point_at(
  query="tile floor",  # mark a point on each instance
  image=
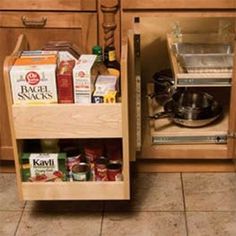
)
(163, 204)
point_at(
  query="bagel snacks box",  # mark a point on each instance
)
(33, 79)
(43, 167)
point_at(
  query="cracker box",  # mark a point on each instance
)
(84, 78)
(65, 82)
(43, 167)
(105, 89)
(33, 80)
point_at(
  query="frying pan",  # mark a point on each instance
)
(191, 109)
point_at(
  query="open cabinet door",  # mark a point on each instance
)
(232, 117)
(134, 83)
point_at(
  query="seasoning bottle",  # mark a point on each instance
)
(99, 65)
(113, 66)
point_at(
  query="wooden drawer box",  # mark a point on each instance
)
(74, 120)
(65, 5)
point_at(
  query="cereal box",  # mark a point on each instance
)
(84, 78)
(33, 80)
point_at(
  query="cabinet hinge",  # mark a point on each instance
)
(231, 135)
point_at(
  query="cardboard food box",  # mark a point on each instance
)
(105, 89)
(65, 82)
(43, 167)
(84, 78)
(33, 80)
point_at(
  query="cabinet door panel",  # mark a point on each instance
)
(77, 28)
(232, 117)
(179, 4)
(65, 5)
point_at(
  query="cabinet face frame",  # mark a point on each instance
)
(178, 4)
(128, 18)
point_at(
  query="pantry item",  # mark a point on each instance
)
(43, 167)
(101, 169)
(65, 81)
(81, 172)
(105, 89)
(33, 80)
(114, 171)
(84, 77)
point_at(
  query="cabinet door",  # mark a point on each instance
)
(40, 27)
(232, 119)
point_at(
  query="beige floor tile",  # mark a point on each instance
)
(210, 191)
(8, 222)
(8, 193)
(211, 223)
(63, 224)
(152, 192)
(144, 224)
(65, 206)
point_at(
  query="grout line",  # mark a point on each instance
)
(102, 218)
(20, 218)
(184, 203)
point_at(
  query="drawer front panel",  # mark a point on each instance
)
(65, 5)
(79, 28)
(179, 4)
(68, 121)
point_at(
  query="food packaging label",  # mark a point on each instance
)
(33, 80)
(84, 79)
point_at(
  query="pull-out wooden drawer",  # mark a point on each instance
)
(69, 121)
(65, 5)
(178, 4)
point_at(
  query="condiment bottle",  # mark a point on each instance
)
(113, 66)
(99, 65)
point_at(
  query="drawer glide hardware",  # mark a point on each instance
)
(216, 139)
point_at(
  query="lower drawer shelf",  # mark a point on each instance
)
(76, 191)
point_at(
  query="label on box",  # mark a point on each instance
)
(84, 78)
(43, 167)
(43, 164)
(33, 80)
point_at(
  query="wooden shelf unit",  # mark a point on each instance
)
(69, 121)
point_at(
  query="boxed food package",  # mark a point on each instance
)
(65, 82)
(33, 80)
(84, 78)
(66, 50)
(38, 53)
(105, 89)
(43, 167)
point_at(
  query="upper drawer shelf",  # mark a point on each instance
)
(179, 4)
(65, 5)
(67, 121)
